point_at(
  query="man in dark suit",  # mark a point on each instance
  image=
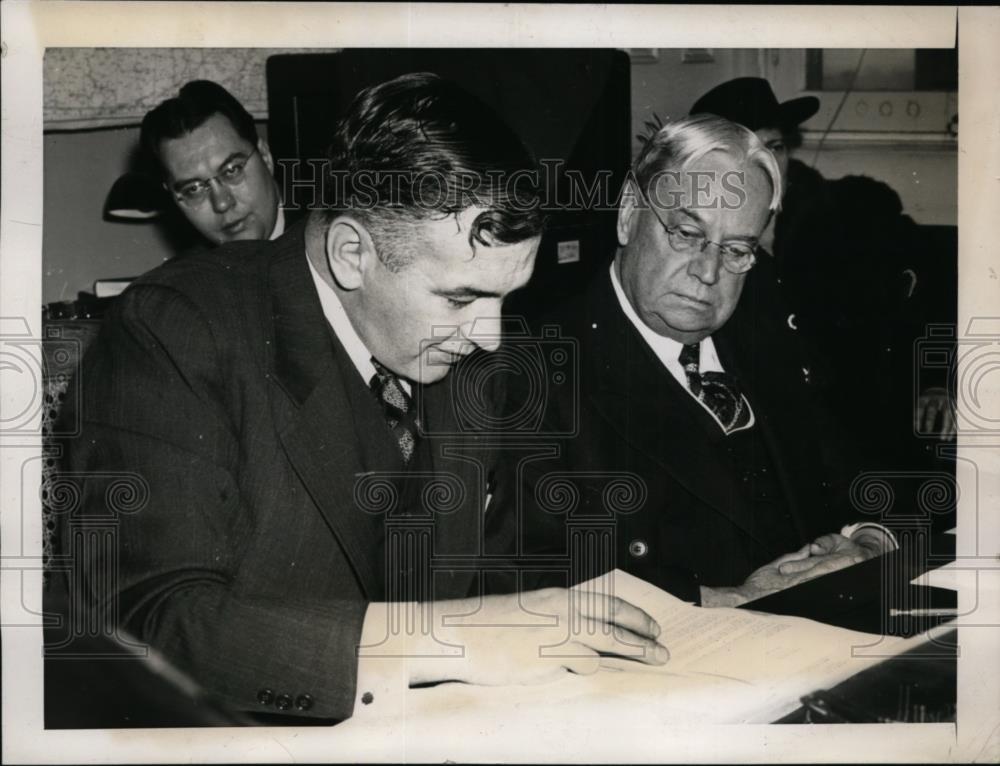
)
(285, 413)
(692, 455)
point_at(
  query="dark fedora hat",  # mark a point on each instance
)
(750, 102)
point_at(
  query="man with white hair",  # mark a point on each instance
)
(714, 439)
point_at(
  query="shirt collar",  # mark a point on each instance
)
(667, 350)
(279, 224)
(337, 317)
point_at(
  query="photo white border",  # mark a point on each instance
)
(29, 27)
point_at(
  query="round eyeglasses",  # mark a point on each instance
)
(737, 257)
(194, 193)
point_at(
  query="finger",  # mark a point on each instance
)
(585, 662)
(828, 543)
(801, 553)
(618, 611)
(602, 637)
(948, 424)
(930, 417)
(797, 567)
(827, 565)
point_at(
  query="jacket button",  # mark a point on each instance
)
(638, 548)
(283, 702)
(303, 702)
(265, 696)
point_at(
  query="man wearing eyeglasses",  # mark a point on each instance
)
(214, 165)
(696, 458)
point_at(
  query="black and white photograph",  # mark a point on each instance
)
(375, 392)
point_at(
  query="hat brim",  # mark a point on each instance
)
(798, 110)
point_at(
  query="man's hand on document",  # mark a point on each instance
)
(824, 555)
(530, 637)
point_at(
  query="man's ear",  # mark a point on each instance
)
(265, 154)
(350, 251)
(628, 209)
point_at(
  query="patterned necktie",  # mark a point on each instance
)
(397, 406)
(716, 390)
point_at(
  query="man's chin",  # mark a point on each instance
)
(684, 329)
(432, 373)
(246, 236)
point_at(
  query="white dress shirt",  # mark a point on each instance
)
(279, 224)
(337, 317)
(668, 351)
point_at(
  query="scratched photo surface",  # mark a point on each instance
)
(555, 401)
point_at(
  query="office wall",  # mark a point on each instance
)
(668, 86)
(924, 176)
(78, 246)
(923, 173)
(80, 167)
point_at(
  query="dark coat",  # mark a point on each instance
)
(257, 545)
(644, 459)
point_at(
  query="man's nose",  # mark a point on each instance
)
(221, 196)
(485, 331)
(705, 265)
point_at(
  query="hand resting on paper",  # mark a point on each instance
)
(528, 638)
(824, 555)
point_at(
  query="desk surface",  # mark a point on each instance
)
(88, 693)
(918, 686)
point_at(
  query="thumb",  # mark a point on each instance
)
(583, 664)
(797, 567)
(801, 553)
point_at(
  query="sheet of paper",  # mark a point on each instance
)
(953, 575)
(726, 666)
(738, 666)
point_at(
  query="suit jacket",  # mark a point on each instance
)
(642, 473)
(254, 537)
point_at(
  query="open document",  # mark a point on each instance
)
(726, 666)
(739, 666)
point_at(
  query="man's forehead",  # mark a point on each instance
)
(211, 143)
(459, 261)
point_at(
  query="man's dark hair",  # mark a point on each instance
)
(194, 104)
(420, 147)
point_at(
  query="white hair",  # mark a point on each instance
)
(680, 143)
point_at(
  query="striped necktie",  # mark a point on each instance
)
(397, 407)
(716, 390)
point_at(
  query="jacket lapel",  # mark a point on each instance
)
(651, 411)
(312, 411)
(764, 390)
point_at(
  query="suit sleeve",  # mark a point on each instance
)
(156, 412)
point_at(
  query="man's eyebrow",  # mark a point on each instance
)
(234, 156)
(693, 215)
(467, 292)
